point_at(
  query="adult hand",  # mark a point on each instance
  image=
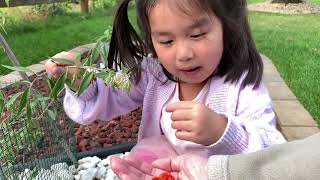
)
(138, 162)
(55, 69)
(184, 167)
(127, 169)
(130, 168)
(197, 123)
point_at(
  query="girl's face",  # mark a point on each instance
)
(188, 46)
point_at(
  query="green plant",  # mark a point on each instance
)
(106, 4)
(51, 9)
(21, 131)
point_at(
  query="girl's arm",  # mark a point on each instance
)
(253, 127)
(104, 103)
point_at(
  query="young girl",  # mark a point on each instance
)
(196, 73)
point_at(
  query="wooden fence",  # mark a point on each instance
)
(13, 3)
(84, 4)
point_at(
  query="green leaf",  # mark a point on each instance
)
(1, 96)
(24, 82)
(102, 75)
(29, 112)
(64, 61)
(94, 54)
(85, 83)
(78, 59)
(43, 98)
(1, 102)
(23, 69)
(13, 99)
(50, 83)
(86, 61)
(2, 27)
(71, 85)
(58, 86)
(105, 50)
(7, 2)
(51, 115)
(24, 99)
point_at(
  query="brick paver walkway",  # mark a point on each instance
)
(295, 122)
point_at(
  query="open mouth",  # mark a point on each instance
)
(192, 70)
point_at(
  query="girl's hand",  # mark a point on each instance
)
(55, 69)
(197, 123)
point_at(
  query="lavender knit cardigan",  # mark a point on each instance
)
(251, 120)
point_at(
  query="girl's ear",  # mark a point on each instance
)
(126, 47)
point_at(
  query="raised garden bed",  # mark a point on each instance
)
(97, 139)
(99, 134)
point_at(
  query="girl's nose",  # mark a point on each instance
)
(184, 52)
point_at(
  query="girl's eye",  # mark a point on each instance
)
(197, 35)
(166, 42)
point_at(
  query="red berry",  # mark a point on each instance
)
(166, 176)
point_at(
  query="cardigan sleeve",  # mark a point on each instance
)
(253, 125)
(103, 102)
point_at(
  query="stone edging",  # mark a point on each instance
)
(294, 121)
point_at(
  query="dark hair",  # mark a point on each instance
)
(239, 55)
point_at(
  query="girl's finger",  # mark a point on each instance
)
(179, 105)
(64, 55)
(181, 115)
(57, 71)
(186, 136)
(182, 125)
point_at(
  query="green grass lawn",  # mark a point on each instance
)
(35, 42)
(261, 1)
(292, 42)
(314, 1)
(255, 1)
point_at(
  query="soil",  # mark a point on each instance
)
(99, 134)
(295, 8)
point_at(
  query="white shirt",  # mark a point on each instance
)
(181, 146)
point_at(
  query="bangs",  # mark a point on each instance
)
(187, 7)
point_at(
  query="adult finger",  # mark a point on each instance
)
(172, 164)
(121, 167)
(140, 165)
(123, 176)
